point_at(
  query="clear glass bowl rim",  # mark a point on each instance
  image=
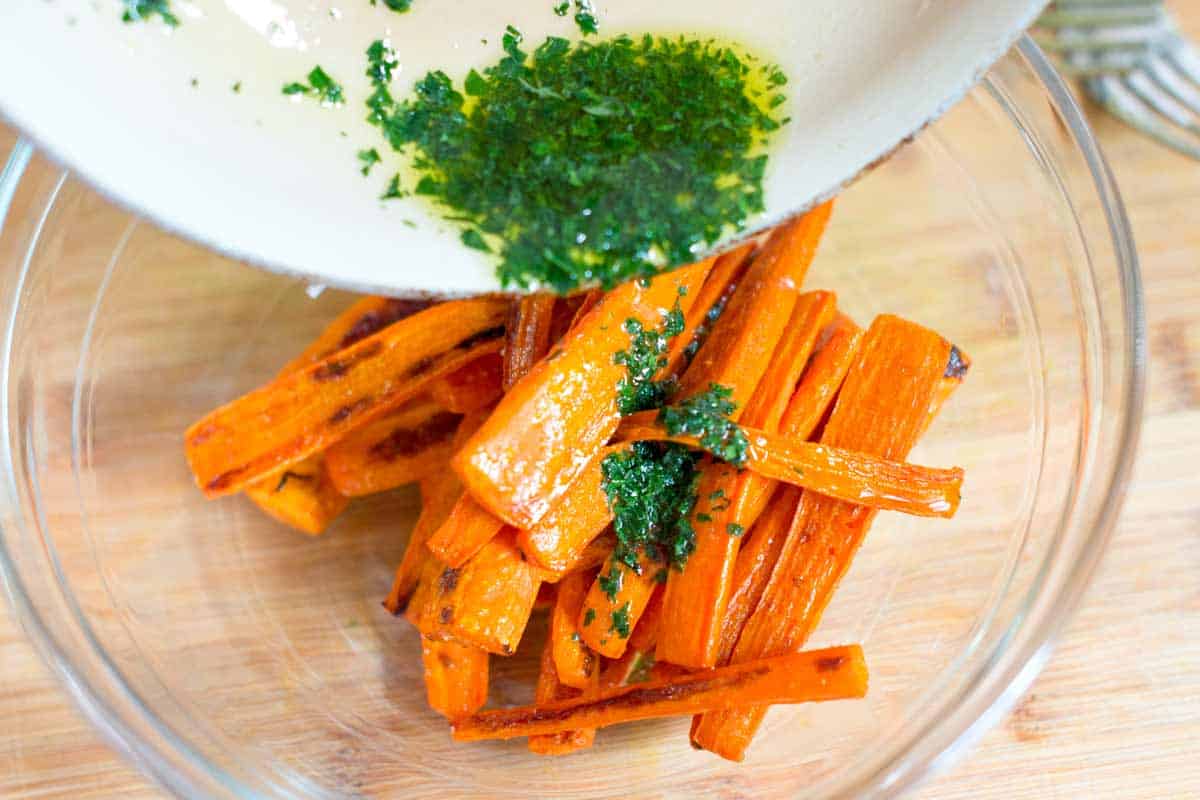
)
(163, 755)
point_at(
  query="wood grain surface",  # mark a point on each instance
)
(1116, 714)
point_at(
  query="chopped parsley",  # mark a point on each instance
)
(611, 584)
(562, 8)
(734, 530)
(320, 86)
(651, 488)
(585, 17)
(237, 87)
(138, 10)
(644, 359)
(393, 190)
(620, 621)
(706, 416)
(368, 159)
(399, 6)
(589, 617)
(587, 162)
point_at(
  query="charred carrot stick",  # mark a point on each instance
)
(635, 663)
(820, 382)
(527, 335)
(397, 449)
(575, 663)
(837, 472)
(615, 603)
(881, 409)
(468, 528)
(737, 355)
(485, 603)
(550, 689)
(307, 411)
(303, 496)
(543, 432)
(710, 303)
(456, 677)
(563, 533)
(835, 673)
(440, 490)
(470, 388)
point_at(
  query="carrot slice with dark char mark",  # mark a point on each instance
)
(528, 335)
(835, 673)
(470, 388)
(550, 689)
(307, 411)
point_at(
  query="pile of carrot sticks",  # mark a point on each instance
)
(505, 410)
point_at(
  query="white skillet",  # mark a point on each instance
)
(149, 114)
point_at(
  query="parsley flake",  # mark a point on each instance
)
(139, 10)
(589, 617)
(320, 86)
(611, 584)
(620, 621)
(368, 159)
(706, 417)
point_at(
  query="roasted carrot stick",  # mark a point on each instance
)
(364, 318)
(309, 410)
(468, 528)
(456, 677)
(471, 387)
(737, 355)
(440, 490)
(835, 673)
(881, 409)
(556, 418)
(549, 690)
(739, 349)
(595, 554)
(527, 336)
(709, 305)
(836, 472)
(581, 514)
(485, 603)
(576, 664)
(400, 448)
(614, 604)
(303, 496)
(821, 380)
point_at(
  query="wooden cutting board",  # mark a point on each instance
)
(1116, 714)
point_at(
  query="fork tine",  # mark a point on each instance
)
(1184, 58)
(1150, 93)
(1121, 102)
(1166, 75)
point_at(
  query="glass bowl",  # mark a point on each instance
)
(230, 657)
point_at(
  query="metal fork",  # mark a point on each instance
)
(1133, 61)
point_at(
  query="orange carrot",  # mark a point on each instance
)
(546, 595)
(576, 664)
(881, 409)
(822, 379)
(307, 411)
(440, 490)
(561, 535)
(470, 388)
(528, 335)
(737, 355)
(595, 554)
(485, 603)
(364, 318)
(812, 313)
(709, 304)
(400, 448)
(633, 666)
(614, 604)
(837, 472)
(456, 677)
(556, 418)
(835, 673)
(549, 690)
(303, 496)
(739, 349)
(468, 528)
